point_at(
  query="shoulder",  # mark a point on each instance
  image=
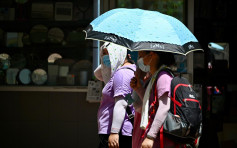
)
(121, 81)
(164, 75)
(125, 71)
(163, 83)
(164, 78)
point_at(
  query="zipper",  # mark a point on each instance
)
(176, 87)
(174, 92)
(193, 100)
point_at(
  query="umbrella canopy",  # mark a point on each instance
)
(138, 29)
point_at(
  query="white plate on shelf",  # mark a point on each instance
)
(39, 76)
(54, 56)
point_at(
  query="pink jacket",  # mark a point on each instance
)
(163, 93)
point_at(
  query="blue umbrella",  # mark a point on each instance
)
(139, 29)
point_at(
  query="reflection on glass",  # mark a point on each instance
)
(174, 8)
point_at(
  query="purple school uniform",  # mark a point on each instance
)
(119, 85)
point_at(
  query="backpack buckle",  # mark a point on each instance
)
(130, 116)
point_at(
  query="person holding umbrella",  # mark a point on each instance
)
(155, 36)
(116, 70)
(152, 61)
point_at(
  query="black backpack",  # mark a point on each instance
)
(184, 121)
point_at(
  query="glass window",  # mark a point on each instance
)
(174, 8)
(42, 43)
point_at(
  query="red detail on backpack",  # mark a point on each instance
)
(173, 98)
(189, 99)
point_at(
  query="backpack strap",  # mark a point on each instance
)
(130, 114)
(168, 70)
(127, 68)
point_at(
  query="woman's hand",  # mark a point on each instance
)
(147, 143)
(113, 140)
(135, 81)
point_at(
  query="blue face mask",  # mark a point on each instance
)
(106, 61)
(140, 63)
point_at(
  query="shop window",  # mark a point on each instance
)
(42, 42)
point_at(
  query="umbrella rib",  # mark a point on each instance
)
(194, 50)
(95, 39)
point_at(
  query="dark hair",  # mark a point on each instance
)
(166, 58)
(129, 58)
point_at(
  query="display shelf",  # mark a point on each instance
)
(45, 88)
(46, 47)
(22, 25)
(29, 35)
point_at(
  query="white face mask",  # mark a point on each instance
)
(140, 63)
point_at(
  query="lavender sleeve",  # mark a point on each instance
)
(121, 87)
(121, 84)
(118, 114)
